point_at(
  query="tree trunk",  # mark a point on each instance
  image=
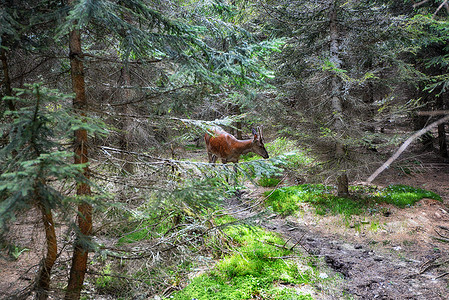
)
(442, 144)
(6, 78)
(125, 135)
(427, 139)
(336, 101)
(442, 140)
(7, 92)
(43, 279)
(81, 248)
(342, 185)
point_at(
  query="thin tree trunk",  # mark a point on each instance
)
(42, 286)
(8, 91)
(6, 78)
(442, 144)
(427, 139)
(337, 105)
(43, 279)
(442, 140)
(81, 248)
(342, 185)
(125, 134)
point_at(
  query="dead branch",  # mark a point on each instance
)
(433, 113)
(427, 265)
(274, 244)
(283, 257)
(440, 239)
(419, 3)
(442, 275)
(443, 227)
(444, 3)
(404, 146)
(442, 235)
(299, 241)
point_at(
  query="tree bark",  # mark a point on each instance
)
(336, 101)
(442, 140)
(343, 185)
(427, 139)
(84, 218)
(6, 78)
(442, 144)
(43, 279)
(125, 135)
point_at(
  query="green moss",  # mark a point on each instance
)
(269, 181)
(403, 195)
(285, 201)
(252, 270)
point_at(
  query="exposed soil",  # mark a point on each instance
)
(390, 254)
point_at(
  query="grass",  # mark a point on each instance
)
(255, 269)
(285, 201)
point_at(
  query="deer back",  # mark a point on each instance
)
(225, 146)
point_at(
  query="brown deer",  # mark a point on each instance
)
(225, 146)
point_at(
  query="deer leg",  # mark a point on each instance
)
(238, 193)
(212, 157)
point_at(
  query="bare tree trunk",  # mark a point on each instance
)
(337, 103)
(442, 140)
(427, 139)
(442, 144)
(43, 279)
(404, 146)
(125, 135)
(6, 78)
(8, 91)
(342, 185)
(81, 248)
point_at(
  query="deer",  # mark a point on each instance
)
(225, 146)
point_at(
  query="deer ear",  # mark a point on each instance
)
(254, 132)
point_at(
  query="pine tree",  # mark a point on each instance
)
(428, 36)
(173, 61)
(34, 162)
(330, 71)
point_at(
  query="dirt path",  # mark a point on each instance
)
(396, 255)
(369, 273)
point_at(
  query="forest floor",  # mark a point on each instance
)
(393, 254)
(397, 254)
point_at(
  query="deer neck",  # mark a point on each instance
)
(244, 146)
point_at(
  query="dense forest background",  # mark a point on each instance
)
(105, 105)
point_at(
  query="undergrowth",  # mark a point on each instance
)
(286, 200)
(259, 266)
(284, 153)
